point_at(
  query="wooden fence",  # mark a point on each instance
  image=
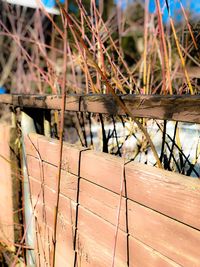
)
(159, 219)
(159, 223)
(10, 229)
(179, 108)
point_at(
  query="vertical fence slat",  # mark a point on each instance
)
(10, 200)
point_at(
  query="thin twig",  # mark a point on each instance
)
(60, 142)
(109, 86)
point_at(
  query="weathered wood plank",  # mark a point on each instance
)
(171, 238)
(157, 189)
(142, 255)
(179, 108)
(89, 251)
(172, 194)
(90, 230)
(94, 198)
(105, 204)
(47, 173)
(44, 235)
(77, 160)
(66, 219)
(166, 235)
(10, 228)
(6, 217)
(43, 200)
(48, 150)
(44, 197)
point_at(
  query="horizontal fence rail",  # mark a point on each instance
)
(159, 219)
(179, 108)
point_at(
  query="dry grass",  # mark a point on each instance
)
(93, 51)
(124, 51)
(7, 256)
(131, 63)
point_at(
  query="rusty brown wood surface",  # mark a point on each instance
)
(95, 235)
(10, 228)
(152, 187)
(6, 192)
(160, 208)
(179, 108)
(157, 231)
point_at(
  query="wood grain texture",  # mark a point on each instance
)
(95, 235)
(143, 255)
(94, 198)
(151, 195)
(44, 197)
(166, 235)
(172, 194)
(97, 206)
(47, 173)
(179, 108)
(64, 252)
(47, 149)
(87, 246)
(154, 188)
(6, 193)
(10, 199)
(171, 238)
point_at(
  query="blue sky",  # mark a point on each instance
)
(51, 3)
(192, 5)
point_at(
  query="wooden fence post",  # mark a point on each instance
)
(10, 189)
(27, 126)
(32, 121)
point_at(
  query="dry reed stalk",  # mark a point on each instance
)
(20, 31)
(188, 25)
(189, 56)
(49, 17)
(179, 50)
(31, 41)
(107, 83)
(104, 27)
(114, 46)
(84, 55)
(122, 183)
(95, 45)
(146, 20)
(166, 77)
(33, 207)
(115, 69)
(100, 54)
(27, 57)
(148, 78)
(63, 105)
(87, 72)
(25, 232)
(72, 65)
(37, 28)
